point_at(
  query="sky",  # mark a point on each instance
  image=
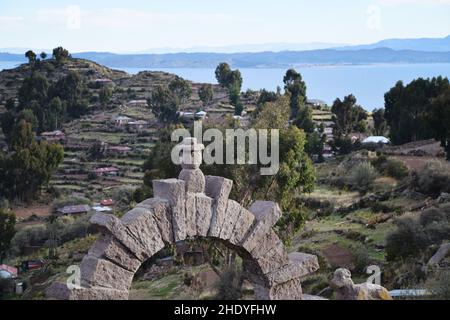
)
(141, 25)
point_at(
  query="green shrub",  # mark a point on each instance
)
(440, 286)
(433, 180)
(409, 239)
(362, 177)
(29, 236)
(396, 169)
(433, 215)
(229, 286)
(413, 236)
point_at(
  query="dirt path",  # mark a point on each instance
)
(40, 211)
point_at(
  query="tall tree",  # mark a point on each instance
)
(296, 87)
(181, 90)
(439, 118)
(408, 109)
(163, 104)
(379, 122)
(60, 54)
(34, 88)
(7, 232)
(223, 71)
(31, 56)
(232, 80)
(206, 94)
(29, 165)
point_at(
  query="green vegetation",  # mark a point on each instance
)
(232, 80)
(419, 111)
(206, 94)
(28, 166)
(348, 117)
(7, 232)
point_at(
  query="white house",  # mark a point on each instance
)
(122, 120)
(376, 140)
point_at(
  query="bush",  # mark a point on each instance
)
(409, 239)
(396, 169)
(362, 177)
(440, 286)
(415, 235)
(229, 286)
(433, 180)
(433, 215)
(29, 236)
(362, 259)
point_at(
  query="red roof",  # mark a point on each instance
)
(9, 269)
(107, 202)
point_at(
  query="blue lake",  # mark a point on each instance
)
(368, 83)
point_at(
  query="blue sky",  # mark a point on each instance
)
(138, 25)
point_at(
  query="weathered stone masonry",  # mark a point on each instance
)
(193, 206)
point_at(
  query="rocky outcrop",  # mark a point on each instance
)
(190, 207)
(345, 289)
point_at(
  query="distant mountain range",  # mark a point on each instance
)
(422, 44)
(425, 50)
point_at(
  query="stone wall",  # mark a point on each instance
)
(193, 206)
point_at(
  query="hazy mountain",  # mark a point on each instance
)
(422, 44)
(266, 59)
(275, 47)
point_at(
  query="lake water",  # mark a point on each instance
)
(368, 83)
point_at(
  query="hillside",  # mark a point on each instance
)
(124, 148)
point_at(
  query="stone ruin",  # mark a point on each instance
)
(190, 207)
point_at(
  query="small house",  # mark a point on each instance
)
(138, 103)
(107, 202)
(8, 272)
(139, 124)
(121, 121)
(100, 83)
(316, 103)
(54, 136)
(101, 209)
(110, 171)
(201, 115)
(74, 210)
(31, 265)
(186, 116)
(122, 150)
(376, 140)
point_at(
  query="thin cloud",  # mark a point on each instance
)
(393, 3)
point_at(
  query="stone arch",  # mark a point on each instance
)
(193, 206)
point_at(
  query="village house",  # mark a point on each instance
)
(101, 209)
(138, 103)
(138, 125)
(316, 103)
(376, 140)
(102, 82)
(8, 272)
(107, 202)
(110, 171)
(74, 210)
(201, 115)
(121, 121)
(119, 150)
(54, 136)
(186, 116)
